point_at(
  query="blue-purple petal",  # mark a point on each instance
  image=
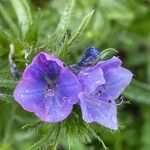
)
(53, 109)
(91, 78)
(68, 86)
(109, 64)
(30, 90)
(116, 81)
(48, 89)
(96, 110)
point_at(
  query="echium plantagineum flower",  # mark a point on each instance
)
(48, 89)
(102, 83)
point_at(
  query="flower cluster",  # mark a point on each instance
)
(49, 89)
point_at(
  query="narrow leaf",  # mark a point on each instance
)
(80, 29)
(56, 39)
(9, 21)
(105, 54)
(23, 13)
(8, 83)
(97, 137)
(32, 32)
(4, 37)
(138, 91)
(45, 141)
(148, 68)
(6, 98)
(145, 132)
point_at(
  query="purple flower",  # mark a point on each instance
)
(101, 85)
(48, 89)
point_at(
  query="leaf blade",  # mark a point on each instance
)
(138, 92)
(23, 13)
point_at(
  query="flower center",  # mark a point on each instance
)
(49, 92)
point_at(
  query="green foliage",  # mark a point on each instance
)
(8, 83)
(55, 41)
(6, 98)
(105, 54)
(121, 24)
(23, 14)
(139, 92)
(73, 130)
(8, 20)
(32, 32)
(76, 36)
(80, 29)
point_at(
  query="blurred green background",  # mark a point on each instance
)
(120, 24)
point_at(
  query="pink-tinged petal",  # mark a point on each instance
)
(109, 64)
(68, 86)
(96, 110)
(53, 109)
(30, 90)
(116, 81)
(91, 78)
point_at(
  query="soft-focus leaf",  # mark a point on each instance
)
(146, 136)
(32, 32)
(138, 92)
(80, 29)
(11, 24)
(8, 83)
(105, 54)
(6, 98)
(23, 13)
(57, 38)
(4, 37)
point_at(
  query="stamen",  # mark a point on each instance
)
(49, 92)
(109, 101)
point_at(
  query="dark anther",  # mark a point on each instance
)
(109, 101)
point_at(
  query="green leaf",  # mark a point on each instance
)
(6, 98)
(56, 137)
(8, 126)
(32, 32)
(5, 37)
(23, 13)
(78, 132)
(138, 92)
(105, 54)
(148, 68)
(8, 83)
(56, 41)
(145, 132)
(80, 29)
(9, 21)
(47, 139)
(115, 10)
(32, 126)
(97, 137)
